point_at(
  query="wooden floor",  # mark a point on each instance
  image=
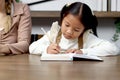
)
(29, 67)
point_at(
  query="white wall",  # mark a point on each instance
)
(51, 5)
(105, 29)
(42, 22)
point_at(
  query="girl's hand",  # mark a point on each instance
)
(53, 49)
(74, 51)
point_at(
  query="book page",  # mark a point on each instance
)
(86, 57)
(70, 57)
(57, 56)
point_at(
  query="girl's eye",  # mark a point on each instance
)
(76, 30)
(66, 25)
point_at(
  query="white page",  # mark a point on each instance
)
(90, 57)
(65, 57)
(69, 57)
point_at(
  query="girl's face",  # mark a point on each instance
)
(71, 27)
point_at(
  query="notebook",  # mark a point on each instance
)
(69, 57)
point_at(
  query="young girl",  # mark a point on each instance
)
(76, 34)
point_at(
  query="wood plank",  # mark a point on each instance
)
(57, 14)
(45, 13)
(107, 14)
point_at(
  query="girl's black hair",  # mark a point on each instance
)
(84, 13)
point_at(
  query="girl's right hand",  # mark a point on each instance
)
(53, 49)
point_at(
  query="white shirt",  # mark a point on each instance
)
(92, 45)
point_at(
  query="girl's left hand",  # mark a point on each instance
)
(74, 51)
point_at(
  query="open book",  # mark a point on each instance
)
(70, 57)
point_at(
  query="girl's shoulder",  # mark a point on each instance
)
(89, 36)
(89, 33)
(55, 27)
(53, 32)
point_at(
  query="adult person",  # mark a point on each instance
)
(15, 27)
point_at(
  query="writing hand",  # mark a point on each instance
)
(53, 48)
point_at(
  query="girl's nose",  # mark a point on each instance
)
(69, 31)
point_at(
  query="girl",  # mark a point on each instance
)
(15, 27)
(76, 34)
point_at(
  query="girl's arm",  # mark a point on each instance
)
(104, 49)
(99, 47)
(40, 46)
